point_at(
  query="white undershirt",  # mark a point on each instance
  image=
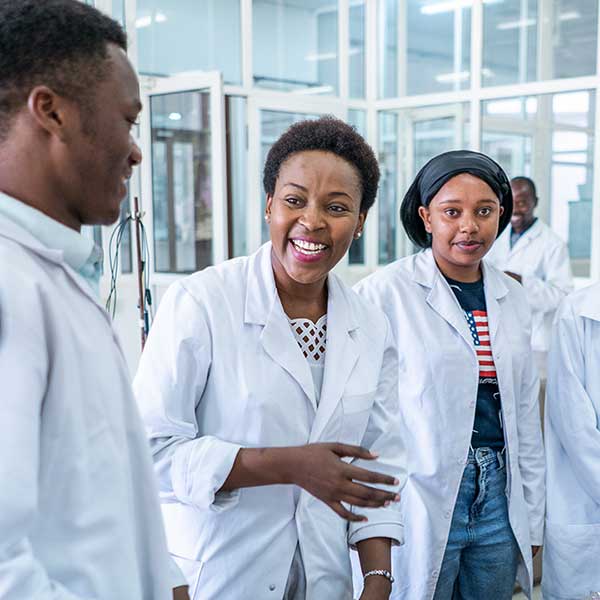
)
(312, 339)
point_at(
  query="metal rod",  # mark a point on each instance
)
(140, 270)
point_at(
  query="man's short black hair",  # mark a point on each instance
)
(528, 182)
(329, 135)
(58, 43)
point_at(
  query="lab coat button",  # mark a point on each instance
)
(272, 587)
(448, 514)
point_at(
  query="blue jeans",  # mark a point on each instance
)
(482, 555)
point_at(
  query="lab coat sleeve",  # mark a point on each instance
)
(24, 371)
(169, 385)
(532, 463)
(545, 294)
(568, 405)
(383, 436)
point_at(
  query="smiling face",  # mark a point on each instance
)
(313, 216)
(101, 153)
(462, 219)
(524, 203)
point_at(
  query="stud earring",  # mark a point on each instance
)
(267, 219)
(357, 235)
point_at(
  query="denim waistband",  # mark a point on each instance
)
(485, 456)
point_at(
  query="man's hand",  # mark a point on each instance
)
(515, 276)
(181, 593)
(376, 588)
(534, 550)
(319, 470)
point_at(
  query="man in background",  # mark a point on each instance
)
(79, 512)
(530, 252)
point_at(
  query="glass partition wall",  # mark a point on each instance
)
(517, 79)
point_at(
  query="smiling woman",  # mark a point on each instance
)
(249, 423)
(476, 492)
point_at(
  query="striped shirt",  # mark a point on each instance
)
(487, 426)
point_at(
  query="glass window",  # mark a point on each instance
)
(408, 139)
(118, 11)
(388, 186)
(528, 40)
(189, 36)
(551, 139)
(125, 251)
(356, 254)
(181, 173)
(237, 164)
(425, 47)
(296, 45)
(357, 49)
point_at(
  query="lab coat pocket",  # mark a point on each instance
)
(571, 560)
(191, 570)
(356, 410)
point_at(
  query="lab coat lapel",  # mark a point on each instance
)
(495, 290)
(16, 233)
(525, 240)
(440, 297)
(341, 355)
(263, 307)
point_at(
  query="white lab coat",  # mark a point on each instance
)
(222, 370)
(542, 260)
(438, 392)
(572, 435)
(79, 511)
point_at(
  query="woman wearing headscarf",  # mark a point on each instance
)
(475, 493)
(269, 392)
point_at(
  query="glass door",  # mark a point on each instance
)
(185, 175)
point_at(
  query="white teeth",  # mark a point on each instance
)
(308, 247)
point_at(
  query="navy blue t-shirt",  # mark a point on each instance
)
(487, 429)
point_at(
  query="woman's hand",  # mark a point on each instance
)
(181, 593)
(319, 470)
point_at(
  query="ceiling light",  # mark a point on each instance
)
(521, 23)
(569, 16)
(160, 17)
(143, 22)
(321, 56)
(175, 116)
(445, 6)
(453, 77)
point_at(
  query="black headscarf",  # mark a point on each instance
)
(438, 171)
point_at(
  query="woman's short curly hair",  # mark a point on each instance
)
(328, 134)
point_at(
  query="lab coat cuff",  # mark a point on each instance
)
(537, 536)
(176, 576)
(364, 531)
(199, 470)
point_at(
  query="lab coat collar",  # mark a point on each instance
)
(12, 231)
(342, 351)
(442, 299)
(531, 234)
(590, 307)
(263, 307)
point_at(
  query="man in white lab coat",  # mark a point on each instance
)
(79, 513)
(572, 546)
(530, 252)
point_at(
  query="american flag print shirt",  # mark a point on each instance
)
(480, 332)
